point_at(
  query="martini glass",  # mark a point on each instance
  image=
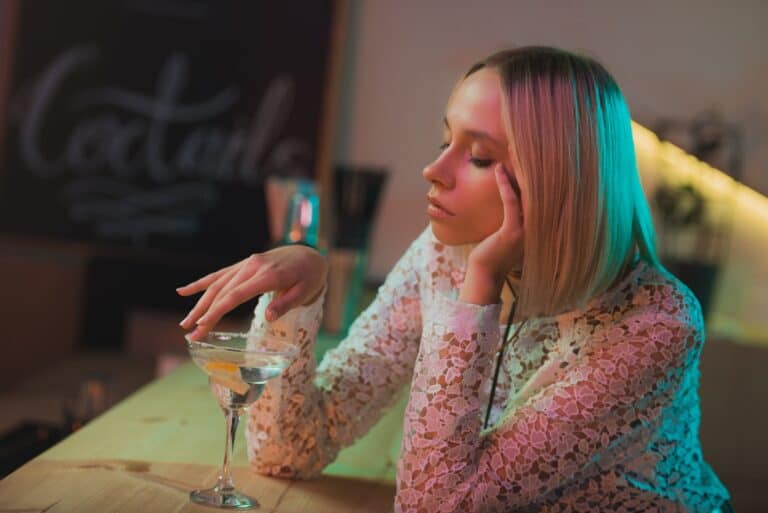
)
(238, 366)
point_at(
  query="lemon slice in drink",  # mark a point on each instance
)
(227, 375)
(219, 366)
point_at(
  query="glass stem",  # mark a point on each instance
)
(232, 416)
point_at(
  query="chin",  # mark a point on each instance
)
(452, 237)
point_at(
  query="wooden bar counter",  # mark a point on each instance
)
(146, 454)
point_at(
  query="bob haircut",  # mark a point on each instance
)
(585, 216)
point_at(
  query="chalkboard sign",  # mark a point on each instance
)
(154, 123)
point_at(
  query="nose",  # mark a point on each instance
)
(439, 173)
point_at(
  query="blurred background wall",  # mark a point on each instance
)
(679, 63)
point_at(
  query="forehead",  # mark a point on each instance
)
(475, 105)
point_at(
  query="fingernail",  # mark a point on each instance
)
(184, 321)
(271, 315)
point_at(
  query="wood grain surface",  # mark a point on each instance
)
(146, 454)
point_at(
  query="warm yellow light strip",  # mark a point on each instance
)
(740, 302)
(681, 166)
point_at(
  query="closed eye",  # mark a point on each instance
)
(481, 162)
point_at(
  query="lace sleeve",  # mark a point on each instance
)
(305, 417)
(598, 403)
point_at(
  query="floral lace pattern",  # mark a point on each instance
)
(595, 410)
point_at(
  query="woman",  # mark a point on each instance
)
(539, 236)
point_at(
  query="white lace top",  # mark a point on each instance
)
(595, 410)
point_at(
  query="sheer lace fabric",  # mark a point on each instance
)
(595, 410)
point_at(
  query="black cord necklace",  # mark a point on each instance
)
(504, 342)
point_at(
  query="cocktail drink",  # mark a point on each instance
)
(238, 366)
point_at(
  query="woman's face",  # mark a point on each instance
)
(464, 204)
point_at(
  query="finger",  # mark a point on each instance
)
(284, 302)
(207, 299)
(203, 283)
(199, 332)
(258, 284)
(509, 200)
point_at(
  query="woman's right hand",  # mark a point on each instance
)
(297, 273)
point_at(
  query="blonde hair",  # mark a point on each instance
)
(570, 142)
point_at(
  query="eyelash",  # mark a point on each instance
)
(481, 163)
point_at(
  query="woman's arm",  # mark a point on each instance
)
(611, 393)
(298, 426)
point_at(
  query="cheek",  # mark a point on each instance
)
(488, 213)
(482, 212)
(490, 218)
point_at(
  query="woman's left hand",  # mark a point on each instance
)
(498, 254)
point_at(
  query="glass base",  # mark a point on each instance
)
(229, 499)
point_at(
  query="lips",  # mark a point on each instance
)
(436, 206)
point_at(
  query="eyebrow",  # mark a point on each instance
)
(477, 134)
